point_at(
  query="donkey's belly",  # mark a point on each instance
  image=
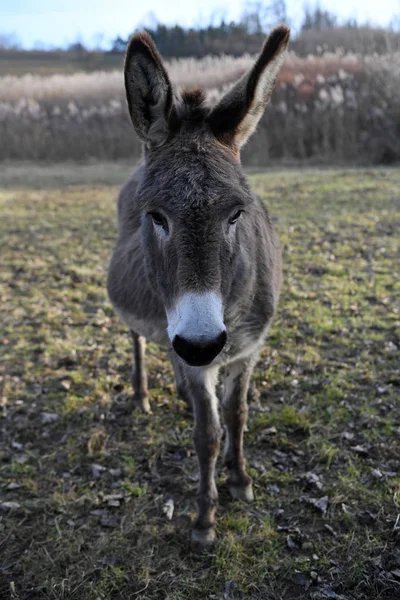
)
(154, 331)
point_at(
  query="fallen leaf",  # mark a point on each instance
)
(114, 503)
(232, 592)
(271, 430)
(320, 504)
(113, 499)
(313, 479)
(115, 472)
(47, 418)
(97, 470)
(13, 486)
(291, 544)
(376, 473)
(9, 506)
(168, 508)
(361, 450)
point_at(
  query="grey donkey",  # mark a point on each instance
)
(197, 264)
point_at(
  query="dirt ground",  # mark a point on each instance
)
(85, 484)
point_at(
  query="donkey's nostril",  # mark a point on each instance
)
(198, 353)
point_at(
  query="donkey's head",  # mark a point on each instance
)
(197, 209)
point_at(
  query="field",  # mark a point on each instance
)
(84, 482)
(52, 62)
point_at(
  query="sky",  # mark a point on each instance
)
(54, 23)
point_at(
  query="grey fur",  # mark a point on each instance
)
(196, 182)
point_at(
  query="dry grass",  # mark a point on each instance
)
(210, 73)
(330, 108)
(361, 40)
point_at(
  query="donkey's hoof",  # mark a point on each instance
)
(240, 492)
(203, 540)
(142, 403)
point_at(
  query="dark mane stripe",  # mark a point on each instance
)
(193, 98)
(191, 106)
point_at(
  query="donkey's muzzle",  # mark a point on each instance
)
(196, 353)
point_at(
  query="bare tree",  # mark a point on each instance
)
(9, 41)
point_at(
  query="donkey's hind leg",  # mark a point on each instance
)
(234, 408)
(139, 375)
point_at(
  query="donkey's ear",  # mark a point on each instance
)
(235, 117)
(148, 90)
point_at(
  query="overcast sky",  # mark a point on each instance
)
(58, 23)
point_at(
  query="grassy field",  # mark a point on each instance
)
(22, 62)
(84, 482)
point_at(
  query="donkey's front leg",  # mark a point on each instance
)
(234, 407)
(206, 438)
(181, 382)
(139, 375)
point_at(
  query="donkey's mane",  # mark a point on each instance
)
(191, 106)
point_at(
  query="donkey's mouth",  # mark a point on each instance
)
(196, 327)
(198, 354)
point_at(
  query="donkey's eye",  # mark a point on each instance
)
(235, 217)
(159, 219)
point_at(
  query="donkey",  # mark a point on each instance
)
(197, 264)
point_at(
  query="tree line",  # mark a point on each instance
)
(319, 29)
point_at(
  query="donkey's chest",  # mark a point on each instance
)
(244, 337)
(243, 343)
(153, 330)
